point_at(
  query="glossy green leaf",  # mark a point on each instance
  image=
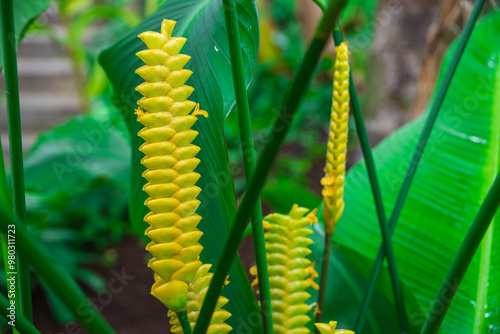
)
(346, 284)
(25, 12)
(76, 153)
(282, 195)
(202, 23)
(457, 168)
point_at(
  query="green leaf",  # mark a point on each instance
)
(71, 155)
(457, 169)
(25, 13)
(62, 169)
(347, 279)
(282, 195)
(202, 23)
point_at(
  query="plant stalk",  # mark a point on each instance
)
(463, 259)
(23, 293)
(431, 119)
(269, 153)
(22, 325)
(247, 145)
(324, 278)
(55, 276)
(184, 321)
(5, 200)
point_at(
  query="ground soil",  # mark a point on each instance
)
(130, 309)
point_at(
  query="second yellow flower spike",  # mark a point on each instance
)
(290, 272)
(333, 181)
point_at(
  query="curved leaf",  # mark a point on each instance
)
(457, 168)
(202, 23)
(346, 284)
(78, 152)
(25, 12)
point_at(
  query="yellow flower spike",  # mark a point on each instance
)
(197, 290)
(290, 272)
(167, 117)
(330, 328)
(333, 182)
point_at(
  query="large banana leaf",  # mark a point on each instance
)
(202, 23)
(25, 12)
(457, 168)
(345, 287)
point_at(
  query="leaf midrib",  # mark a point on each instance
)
(487, 243)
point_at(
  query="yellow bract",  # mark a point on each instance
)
(290, 272)
(170, 161)
(197, 290)
(330, 329)
(333, 182)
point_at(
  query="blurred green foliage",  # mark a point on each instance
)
(281, 49)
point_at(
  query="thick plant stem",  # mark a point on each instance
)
(23, 293)
(431, 119)
(22, 325)
(56, 277)
(184, 321)
(324, 278)
(247, 145)
(269, 153)
(5, 196)
(5, 200)
(463, 259)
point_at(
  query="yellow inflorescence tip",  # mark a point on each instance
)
(330, 328)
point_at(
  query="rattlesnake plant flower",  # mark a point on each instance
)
(330, 328)
(290, 272)
(197, 290)
(333, 181)
(170, 160)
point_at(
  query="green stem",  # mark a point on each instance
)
(184, 321)
(23, 294)
(324, 278)
(55, 276)
(463, 259)
(5, 196)
(6, 200)
(436, 106)
(269, 153)
(22, 325)
(247, 144)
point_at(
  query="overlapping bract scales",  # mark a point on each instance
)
(330, 328)
(197, 290)
(170, 160)
(290, 272)
(333, 181)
